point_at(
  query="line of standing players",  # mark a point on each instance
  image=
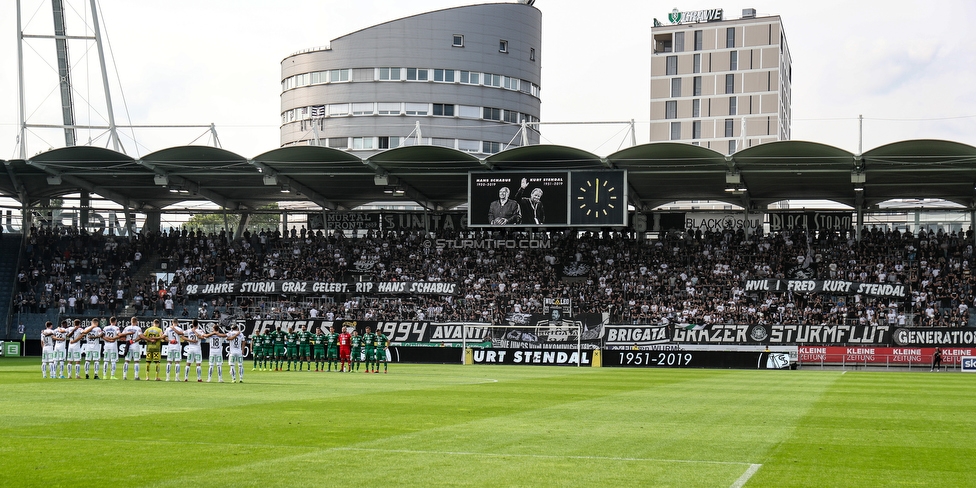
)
(301, 347)
(64, 347)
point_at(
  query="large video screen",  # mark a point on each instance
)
(517, 199)
(596, 198)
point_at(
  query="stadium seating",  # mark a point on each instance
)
(679, 277)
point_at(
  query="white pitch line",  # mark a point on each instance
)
(541, 456)
(739, 483)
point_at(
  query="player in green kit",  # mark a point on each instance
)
(291, 347)
(382, 344)
(369, 344)
(304, 347)
(278, 345)
(267, 344)
(318, 349)
(357, 350)
(332, 348)
(256, 348)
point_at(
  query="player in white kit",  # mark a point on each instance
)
(111, 335)
(60, 344)
(47, 349)
(174, 352)
(194, 353)
(93, 347)
(133, 350)
(236, 340)
(76, 333)
(216, 340)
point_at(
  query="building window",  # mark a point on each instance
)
(467, 145)
(733, 105)
(672, 68)
(443, 142)
(492, 113)
(696, 84)
(443, 109)
(732, 146)
(362, 143)
(338, 142)
(389, 74)
(493, 80)
(675, 131)
(698, 40)
(670, 109)
(696, 63)
(531, 54)
(416, 108)
(733, 60)
(675, 87)
(388, 108)
(728, 127)
(696, 108)
(679, 42)
(470, 78)
(729, 83)
(416, 74)
(730, 37)
(511, 83)
(502, 46)
(389, 142)
(362, 108)
(489, 147)
(337, 109)
(469, 112)
(696, 129)
(458, 40)
(445, 75)
(338, 75)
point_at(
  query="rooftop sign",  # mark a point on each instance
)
(710, 15)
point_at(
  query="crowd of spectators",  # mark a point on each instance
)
(688, 277)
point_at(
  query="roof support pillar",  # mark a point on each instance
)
(972, 224)
(245, 219)
(130, 223)
(85, 209)
(153, 221)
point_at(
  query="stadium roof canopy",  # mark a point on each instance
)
(437, 177)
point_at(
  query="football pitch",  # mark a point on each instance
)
(453, 425)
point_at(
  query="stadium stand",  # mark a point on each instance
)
(681, 277)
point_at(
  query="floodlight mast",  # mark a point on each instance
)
(61, 38)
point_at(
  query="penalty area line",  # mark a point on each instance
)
(739, 483)
(542, 456)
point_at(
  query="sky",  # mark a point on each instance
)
(907, 67)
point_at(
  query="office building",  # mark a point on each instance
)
(464, 78)
(720, 84)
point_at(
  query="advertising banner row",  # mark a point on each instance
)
(880, 356)
(541, 331)
(554, 206)
(634, 359)
(823, 343)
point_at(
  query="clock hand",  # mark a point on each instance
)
(596, 198)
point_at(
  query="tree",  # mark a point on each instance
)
(214, 222)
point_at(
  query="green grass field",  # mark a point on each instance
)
(452, 425)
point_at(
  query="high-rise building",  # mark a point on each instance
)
(464, 78)
(720, 84)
